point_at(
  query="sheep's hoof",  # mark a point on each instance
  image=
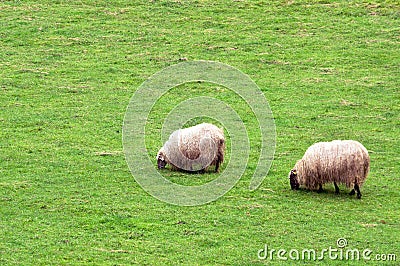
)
(358, 196)
(352, 192)
(336, 188)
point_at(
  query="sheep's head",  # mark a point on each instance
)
(294, 182)
(161, 160)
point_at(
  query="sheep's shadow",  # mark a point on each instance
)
(343, 193)
(188, 178)
(207, 170)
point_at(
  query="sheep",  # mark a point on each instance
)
(193, 149)
(338, 161)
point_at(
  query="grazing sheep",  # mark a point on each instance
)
(339, 161)
(193, 149)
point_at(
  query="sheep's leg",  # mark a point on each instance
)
(352, 192)
(357, 189)
(320, 189)
(336, 188)
(217, 165)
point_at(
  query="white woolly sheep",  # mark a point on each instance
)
(339, 161)
(193, 149)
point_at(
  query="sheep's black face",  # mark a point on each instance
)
(161, 163)
(294, 182)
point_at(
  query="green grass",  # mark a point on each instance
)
(329, 69)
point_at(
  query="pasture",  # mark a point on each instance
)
(68, 69)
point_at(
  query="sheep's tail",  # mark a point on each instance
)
(221, 151)
(365, 159)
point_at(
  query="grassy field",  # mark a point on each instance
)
(329, 69)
